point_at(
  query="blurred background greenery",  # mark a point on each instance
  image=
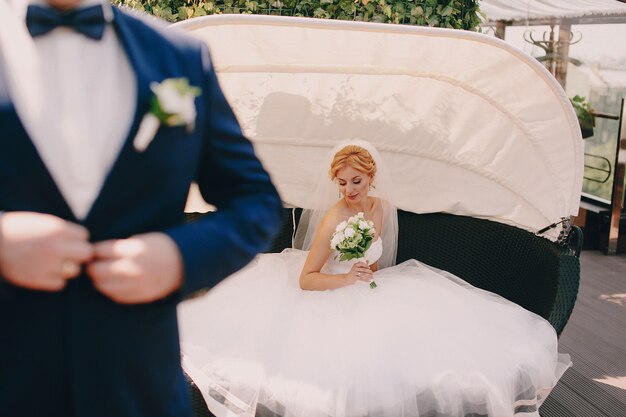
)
(453, 14)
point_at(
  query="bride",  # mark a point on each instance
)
(303, 334)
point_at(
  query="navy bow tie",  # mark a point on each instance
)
(89, 21)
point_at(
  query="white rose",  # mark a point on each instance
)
(341, 226)
(349, 232)
(360, 214)
(334, 241)
(363, 225)
(181, 105)
(170, 100)
(188, 110)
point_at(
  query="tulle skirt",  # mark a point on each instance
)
(423, 343)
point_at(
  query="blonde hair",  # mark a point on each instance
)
(355, 157)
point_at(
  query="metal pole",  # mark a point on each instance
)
(565, 36)
(617, 196)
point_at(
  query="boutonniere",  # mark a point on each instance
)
(173, 104)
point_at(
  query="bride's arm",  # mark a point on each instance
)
(311, 278)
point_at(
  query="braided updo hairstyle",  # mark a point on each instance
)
(353, 156)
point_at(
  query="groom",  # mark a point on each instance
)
(94, 254)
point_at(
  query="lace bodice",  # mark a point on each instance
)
(334, 266)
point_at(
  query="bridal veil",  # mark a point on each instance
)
(326, 194)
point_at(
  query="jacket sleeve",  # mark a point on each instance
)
(231, 178)
(6, 289)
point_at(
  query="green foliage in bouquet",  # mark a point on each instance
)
(353, 237)
(453, 14)
(354, 247)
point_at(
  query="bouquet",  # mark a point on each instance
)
(352, 238)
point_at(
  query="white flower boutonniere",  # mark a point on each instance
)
(172, 105)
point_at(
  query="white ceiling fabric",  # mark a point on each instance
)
(538, 9)
(468, 124)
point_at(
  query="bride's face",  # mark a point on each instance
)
(353, 184)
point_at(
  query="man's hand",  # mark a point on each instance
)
(40, 251)
(140, 269)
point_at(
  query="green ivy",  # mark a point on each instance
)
(453, 14)
(586, 117)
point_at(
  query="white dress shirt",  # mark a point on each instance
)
(89, 89)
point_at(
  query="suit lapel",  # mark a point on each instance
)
(21, 73)
(127, 157)
(34, 188)
(21, 68)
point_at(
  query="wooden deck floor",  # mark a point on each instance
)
(595, 338)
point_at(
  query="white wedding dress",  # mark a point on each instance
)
(423, 343)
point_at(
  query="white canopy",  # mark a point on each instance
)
(540, 9)
(468, 124)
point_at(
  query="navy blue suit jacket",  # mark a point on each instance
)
(76, 352)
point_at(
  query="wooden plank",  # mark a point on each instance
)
(594, 321)
(593, 394)
(595, 337)
(599, 342)
(566, 402)
(553, 408)
(597, 328)
(591, 371)
(601, 275)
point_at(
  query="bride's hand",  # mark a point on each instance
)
(360, 272)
